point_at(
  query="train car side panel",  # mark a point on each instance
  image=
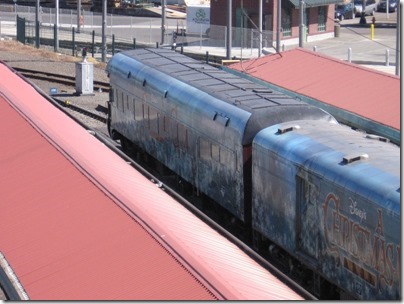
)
(212, 118)
(158, 113)
(331, 205)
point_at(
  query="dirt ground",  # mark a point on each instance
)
(18, 47)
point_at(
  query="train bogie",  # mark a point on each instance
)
(331, 197)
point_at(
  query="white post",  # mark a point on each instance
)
(349, 54)
(200, 37)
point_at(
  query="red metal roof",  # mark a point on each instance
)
(365, 92)
(57, 226)
(78, 223)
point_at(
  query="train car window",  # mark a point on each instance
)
(204, 149)
(215, 152)
(308, 219)
(138, 111)
(182, 133)
(134, 108)
(166, 123)
(117, 98)
(162, 124)
(123, 102)
(153, 120)
(227, 158)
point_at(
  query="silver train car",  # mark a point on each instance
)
(197, 120)
(333, 202)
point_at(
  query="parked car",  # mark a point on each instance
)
(370, 7)
(381, 7)
(344, 11)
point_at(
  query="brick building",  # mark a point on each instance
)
(318, 16)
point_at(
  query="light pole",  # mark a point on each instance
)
(104, 21)
(278, 27)
(37, 24)
(57, 26)
(398, 38)
(229, 28)
(301, 26)
(260, 28)
(78, 15)
(163, 20)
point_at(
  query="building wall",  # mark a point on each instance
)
(219, 16)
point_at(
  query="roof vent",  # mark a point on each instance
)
(353, 158)
(262, 91)
(288, 129)
(376, 137)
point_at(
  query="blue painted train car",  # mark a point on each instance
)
(196, 119)
(330, 197)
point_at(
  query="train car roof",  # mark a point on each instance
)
(77, 222)
(352, 158)
(265, 106)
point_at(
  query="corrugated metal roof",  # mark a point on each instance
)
(367, 93)
(77, 222)
(58, 227)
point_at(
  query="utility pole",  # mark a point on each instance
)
(57, 26)
(301, 26)
(398, 37)
(260, 28)
(278, 27)
(37, 24)
(104, 22)
(229, 30)
(78, 15)
(163, 20)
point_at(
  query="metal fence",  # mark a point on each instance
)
(122, 32)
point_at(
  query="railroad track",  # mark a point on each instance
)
(60, 79)
(67, 104)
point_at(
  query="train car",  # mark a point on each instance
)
(197, 120)
(330, 197)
